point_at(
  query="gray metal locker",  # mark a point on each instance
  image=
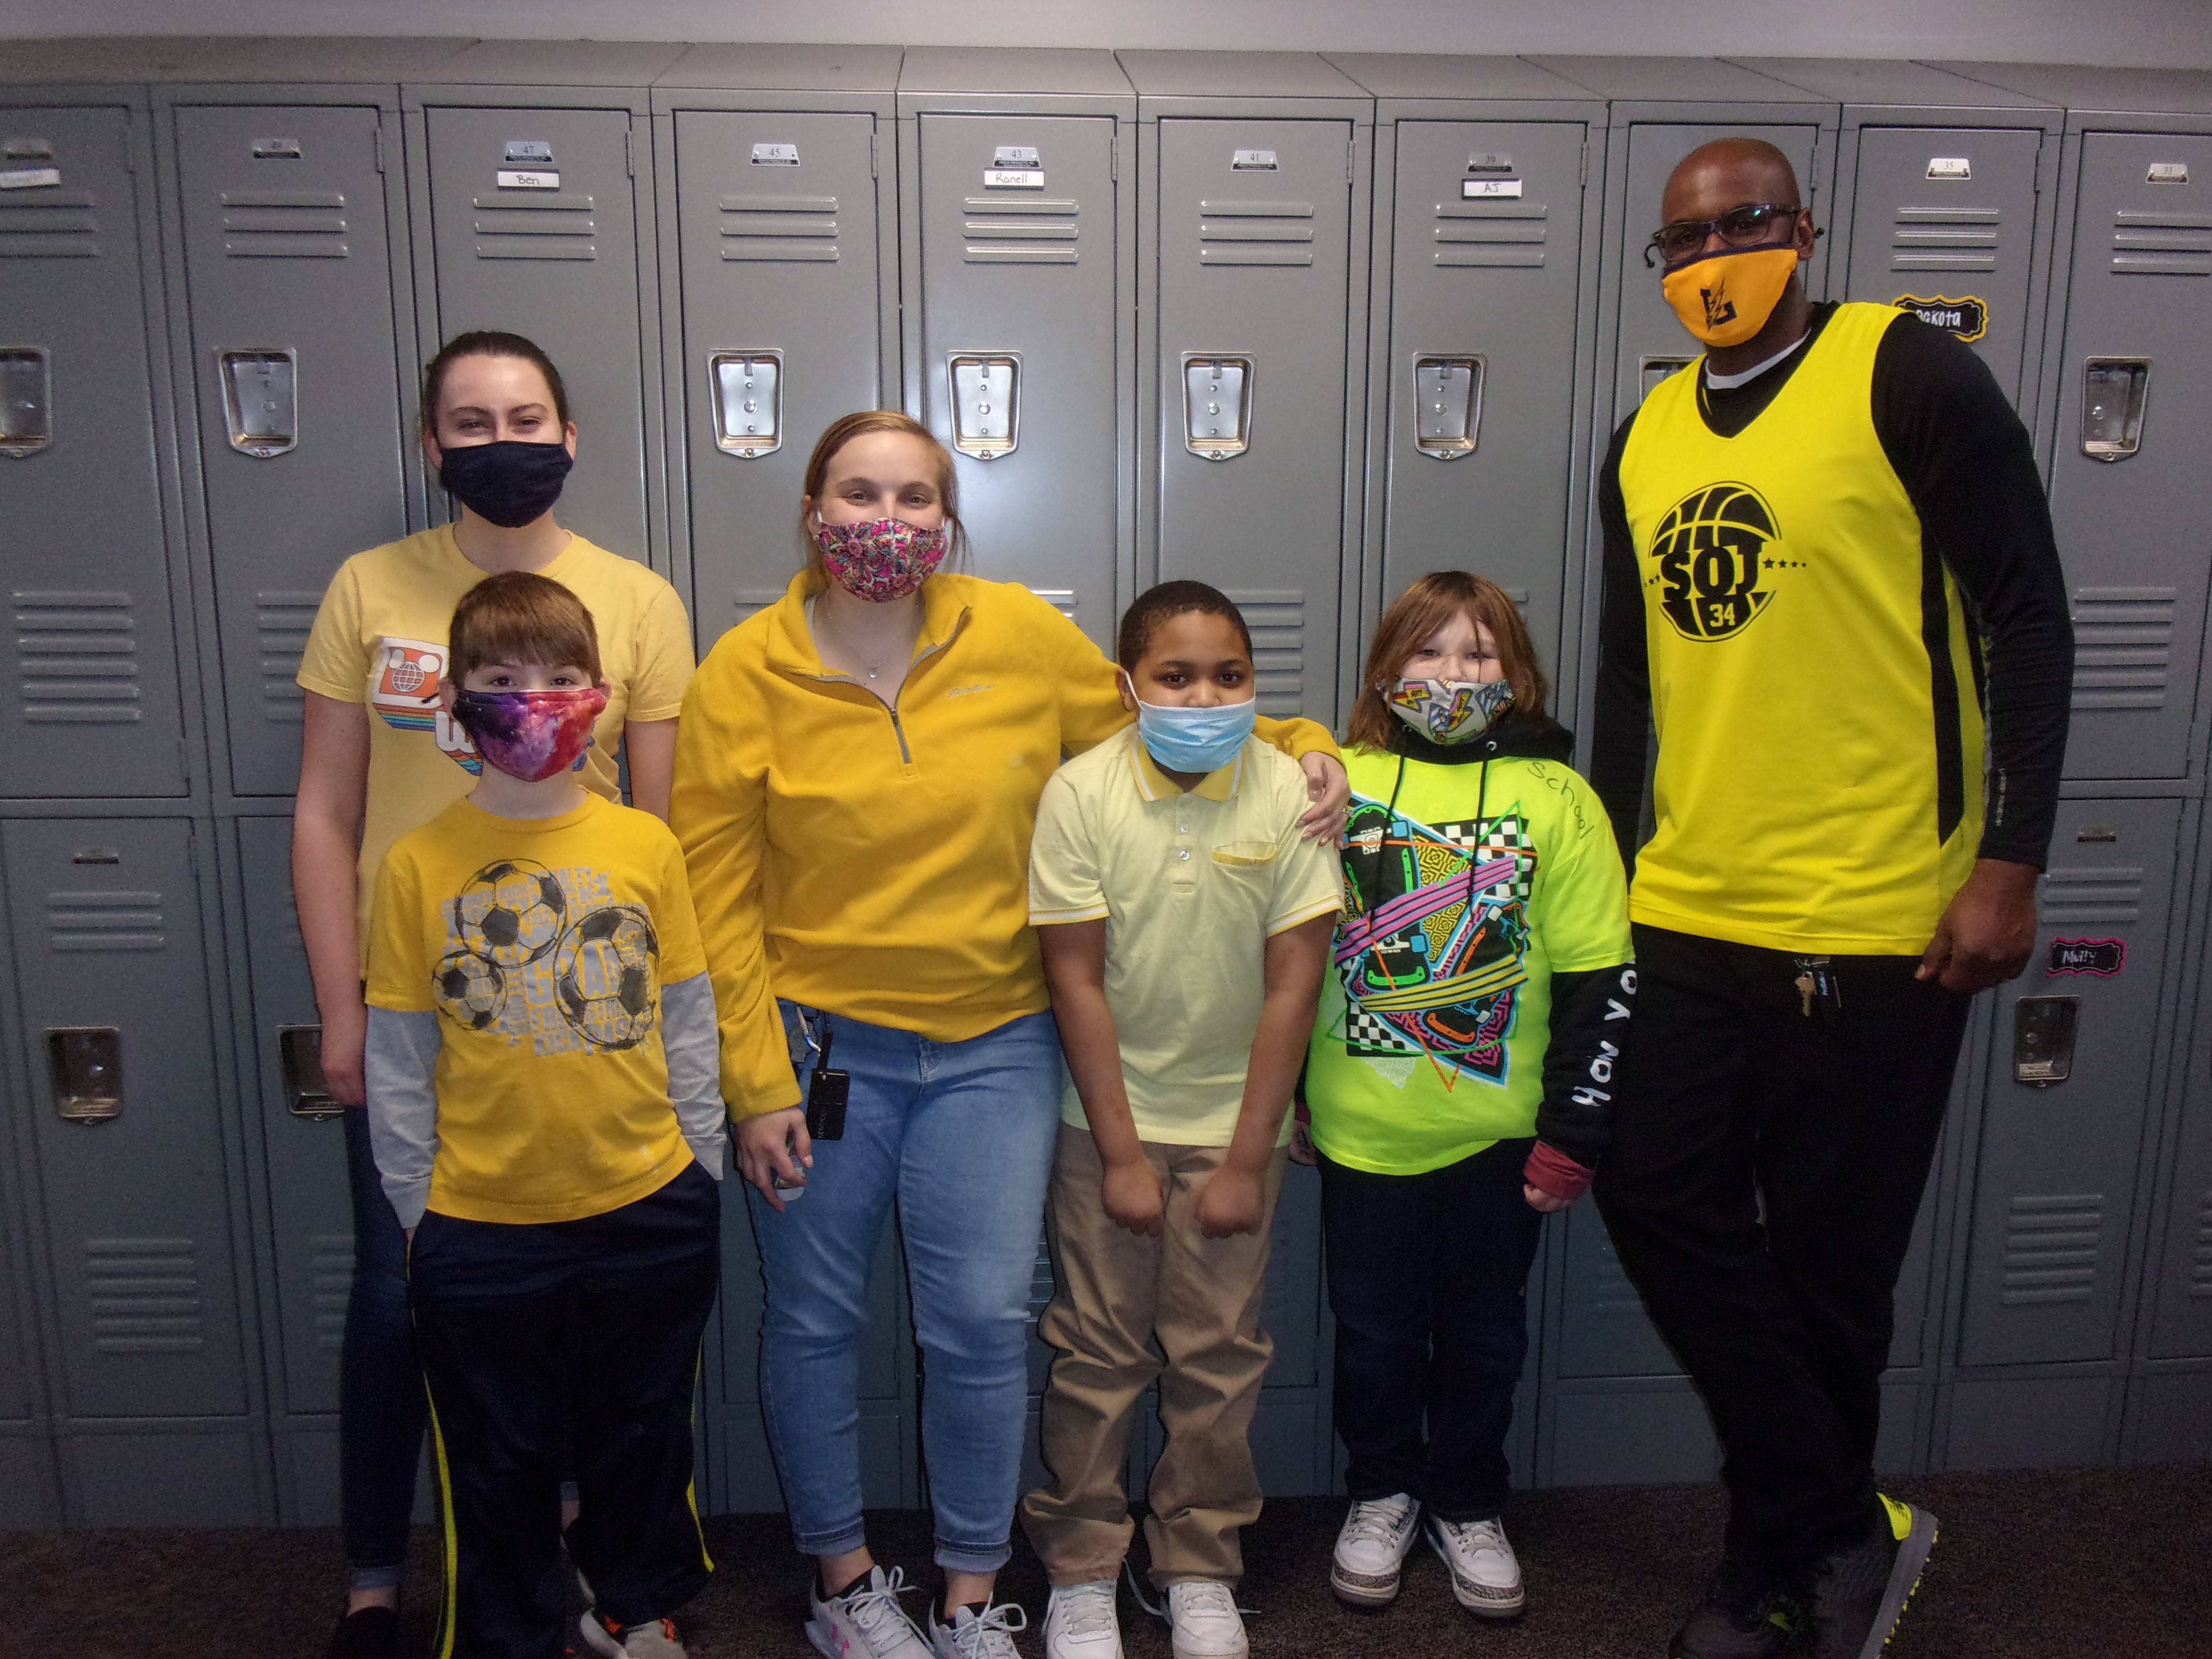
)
(1484, 295)
(303, 445)
(784, 251)
(27, 1498)
(1017, 263)
(1257, 172)
(96, 710)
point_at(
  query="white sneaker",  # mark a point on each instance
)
(866, 1622)
(1203, 1622)
(1371, 1548)
(1080, 1622)
(991, 1636)
(653, 1639)
(1486, 1576)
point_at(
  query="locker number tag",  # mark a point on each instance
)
(2104, 957)
(1013, 179)
(1252, 161)
(517, 179)
(1950, 166)
(2168, 173)
(775, 155)
(29, 178)
(1490, 190)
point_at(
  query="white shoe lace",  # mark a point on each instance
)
(1474, 1535)
(992, 1634)
(1381, 1521)
(875, 1612)
(1081, 1610)
(1201, 1601)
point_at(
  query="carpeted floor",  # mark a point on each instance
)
(2030, 1565)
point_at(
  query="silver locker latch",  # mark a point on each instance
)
(987, 403)
(1216, 405)
(1447, 405)
(2113, 389)
(2043, 1040)
(260, 400)
(85, 1065)
(747, 390)
(1649, 371)
(27, 400)
(300, 1050)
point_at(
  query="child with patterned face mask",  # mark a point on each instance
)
(1458, 1074)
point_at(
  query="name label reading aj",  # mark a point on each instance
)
(1490, 190)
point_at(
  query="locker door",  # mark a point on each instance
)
(299, 379)
(1484, 267)
(559, 265)
(780, 262)
(93, 708)
(1943, 225)
(1253, 268)
(106, 930)
(2129, 528)
(2057, 1173)
(2183, 1298)
(1024, 272)
(1652, 339)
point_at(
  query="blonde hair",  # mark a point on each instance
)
(1419, 612)
(842, 431)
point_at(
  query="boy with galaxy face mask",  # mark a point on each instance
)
(542, 1064)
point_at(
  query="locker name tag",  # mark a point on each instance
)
(2168, 173)
(775, 155)
(29, 178)
(2101, 957)
(1013, 179)
(1252, 161)
(1479, 190)
(1968, 317)
(515, 179)
(1950, 166)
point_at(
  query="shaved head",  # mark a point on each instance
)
(1725, 174)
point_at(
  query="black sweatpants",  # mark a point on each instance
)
(562, 1342)
(1765, 1170)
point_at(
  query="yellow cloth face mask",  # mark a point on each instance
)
(1726, 298)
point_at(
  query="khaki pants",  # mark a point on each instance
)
(1200, 1298)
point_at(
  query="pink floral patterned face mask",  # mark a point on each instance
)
(883, 559)
(530, 735)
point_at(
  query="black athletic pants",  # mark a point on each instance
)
(562, 1342)
(1765, 1169)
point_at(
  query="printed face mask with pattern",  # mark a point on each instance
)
(530, 735)
(882, 559)
(1449, 711)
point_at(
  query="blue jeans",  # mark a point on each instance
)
(382, 1408)
(961, 1135)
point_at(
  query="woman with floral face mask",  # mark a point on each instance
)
(856, 783)
(379, 756)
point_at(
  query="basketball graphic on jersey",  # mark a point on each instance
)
(1711, 555)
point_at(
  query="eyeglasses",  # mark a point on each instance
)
(1739, 227)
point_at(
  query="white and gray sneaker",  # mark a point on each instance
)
(1203, 1621)
(991, 1635)
(1080, 1622)
(1485, 1576)
(866, 1621)
(1371, 1548)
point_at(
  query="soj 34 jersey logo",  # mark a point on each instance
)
(1711, 556)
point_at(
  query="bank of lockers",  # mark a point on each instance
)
(1302, 327)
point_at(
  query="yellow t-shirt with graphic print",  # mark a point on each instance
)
(542, 944)
(380, 639)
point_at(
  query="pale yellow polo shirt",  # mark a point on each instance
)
(1192, 885)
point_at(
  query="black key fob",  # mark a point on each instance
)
(825, 1103)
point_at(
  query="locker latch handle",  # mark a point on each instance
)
(987, 403)
(300, 1049)
(2113, 391)
(27, 400)
(746, 388)
(85, 1065)
(260, 400)
(1216, 405)
(1649, 371)
(2043, 1040)
(1447, 405)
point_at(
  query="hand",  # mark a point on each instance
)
(1132, 1198)
(1987, 932)
(346, 1034)
(1229, 1203)
(771, 1145)
(1541, 1202)
(1330, 792)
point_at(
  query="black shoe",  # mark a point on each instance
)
(1747, 1614)
(1858, 1594)
(366, 1633)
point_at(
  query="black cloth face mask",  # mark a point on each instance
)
(505, 483)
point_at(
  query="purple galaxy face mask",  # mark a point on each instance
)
(883, 559)
(530, 735)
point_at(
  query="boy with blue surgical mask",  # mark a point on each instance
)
(1184, 926)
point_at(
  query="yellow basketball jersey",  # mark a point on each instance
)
(1819, 778)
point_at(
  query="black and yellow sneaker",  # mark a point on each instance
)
(1859, 1594)
(1747, 1614)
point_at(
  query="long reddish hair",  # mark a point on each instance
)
(1421, 610)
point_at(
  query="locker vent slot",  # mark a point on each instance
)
(779, 228)
(2200, 1269)
(1255, 234)
(76, 653)
(57, 225)
(2162, 244)
(2068, 897)
(1010, 235)
(144, 1295)
(282, 224)
(748, 600)
(2050, 1248)
(559, 227)
(1277, 618)
(282, 619)
(2122, 646)
(1491, 235)
(1062, 600)
(332, 1254)
(1945, 239)
(1613, 1293)
(105, 921)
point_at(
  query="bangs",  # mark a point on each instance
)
(519, 616)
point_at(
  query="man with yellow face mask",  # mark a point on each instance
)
(1831, 589)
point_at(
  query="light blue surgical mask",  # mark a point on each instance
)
(1195, 739)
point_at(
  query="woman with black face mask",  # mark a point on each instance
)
(378, 758)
